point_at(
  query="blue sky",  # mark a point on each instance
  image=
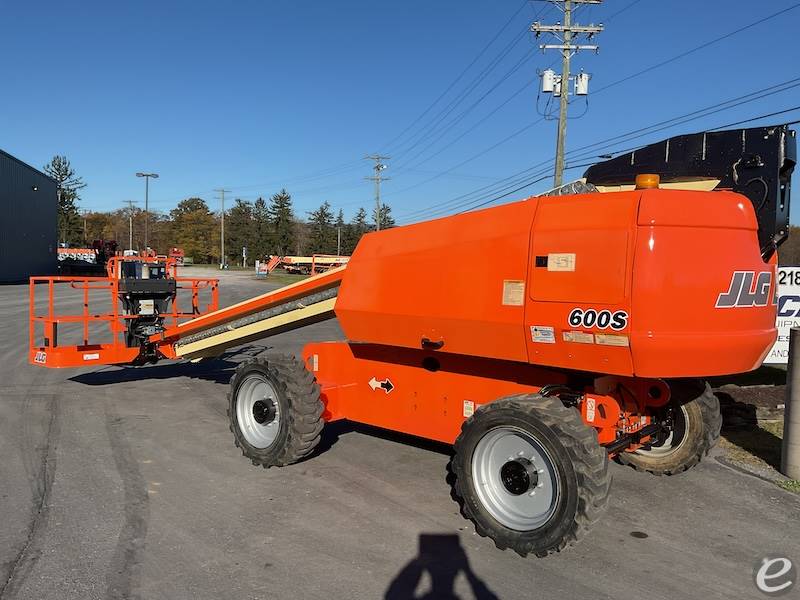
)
(256, 95)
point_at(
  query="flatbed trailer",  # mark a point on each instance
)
(589, 342)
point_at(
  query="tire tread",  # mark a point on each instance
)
(589, 459)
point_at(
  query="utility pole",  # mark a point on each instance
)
(378, 167)
(130, 223)
(84, 212)
(559, 85)
(790, 447)
(147, 177)
(338, 241)
(222, 261)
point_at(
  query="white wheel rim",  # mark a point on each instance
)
(674, 441)
(515, 478)
(258, 411)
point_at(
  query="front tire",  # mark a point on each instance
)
(694, 420)
(275, 410)
(530, 474)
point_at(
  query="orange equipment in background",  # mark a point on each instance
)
(588, 341)
(178, 255)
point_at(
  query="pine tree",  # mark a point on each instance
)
(263, 237)
(341, 228)
(281, 218)
(323, 236)
(239, 229)
(70, 226)
(196, 230)
(355, 229)
(387, 221)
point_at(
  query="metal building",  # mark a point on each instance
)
(28, 221)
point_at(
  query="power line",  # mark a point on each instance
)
(750, 120)
(425, 130)
(531, 182)
(457, 79)
(471, 158)
(432, 124)
(697, 48)
(629, 77)
(522, 176)
(692, 116)
(622, 10)
(446, 128)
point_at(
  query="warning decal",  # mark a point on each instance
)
(579, 337)
(513, 292)
(543, 335)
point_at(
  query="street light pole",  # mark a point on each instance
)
(222, 261)
(147, 177)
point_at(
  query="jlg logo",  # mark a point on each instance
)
(742, 291)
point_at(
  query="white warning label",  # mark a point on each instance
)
(542, 334)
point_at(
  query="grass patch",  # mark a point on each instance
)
(760, 446)
(283, 278)
(790, 485)
(231, 267)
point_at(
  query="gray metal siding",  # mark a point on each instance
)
(28, 221)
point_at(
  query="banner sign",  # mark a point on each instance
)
(788, 313)
(87, 255)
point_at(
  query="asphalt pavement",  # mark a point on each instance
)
(125, 483)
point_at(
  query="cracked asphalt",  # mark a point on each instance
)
(125, 483)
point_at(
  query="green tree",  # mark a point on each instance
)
(161, 235)
(387, 221)
(281, 218)
(341, 229)
(354, 230)
(239, 230)
(323, 234)
(70, 224)
(262, 231)
(195, 229)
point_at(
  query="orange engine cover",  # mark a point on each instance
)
(652, 283)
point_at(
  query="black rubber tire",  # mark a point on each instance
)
(703, 423)
(300, 404)
(580, 461)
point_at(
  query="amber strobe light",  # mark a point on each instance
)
(647, 181)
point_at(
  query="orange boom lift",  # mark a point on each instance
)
(587, 342)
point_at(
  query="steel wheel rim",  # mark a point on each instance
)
(674, 441)
(496, 455)
(257, 401)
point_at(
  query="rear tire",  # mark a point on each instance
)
(696, 423)
(275, 410)
(530, 474)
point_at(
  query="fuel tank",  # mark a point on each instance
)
(652, 283)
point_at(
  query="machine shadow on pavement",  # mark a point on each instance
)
(443, 559)
(217, 370)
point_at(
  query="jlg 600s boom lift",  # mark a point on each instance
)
(587, 341)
